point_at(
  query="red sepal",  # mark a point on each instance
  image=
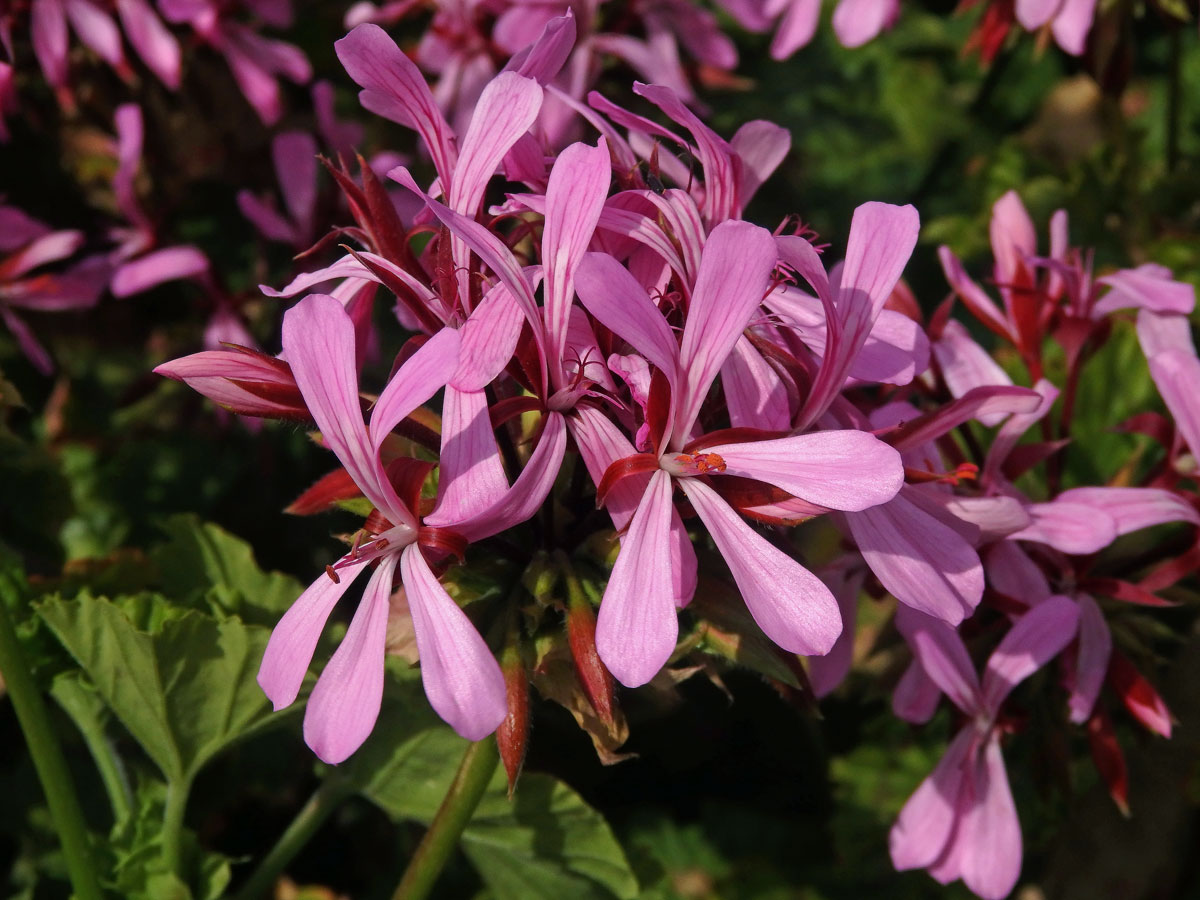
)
(407, 476)
(1108, 758)
(1138, 695)
(620, 469)
(1124, 591)
(327, 491)
(442, 541)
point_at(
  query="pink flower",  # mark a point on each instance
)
(962, 822)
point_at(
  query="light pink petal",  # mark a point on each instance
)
(544, 58)
(734, 275)
(1012, 430)
(294, 638)
(995, 517)
(1091, 659)
(393, 87)
(257, 84)
(600, 444)
(1014, 574)
(826, 672)
(796, 28)
(263, 216)
(1177, 376)
(923, 562)
(800, 255)
(991, 832)
(977, 403)
(1070, 527)
(790, 604)
(927, 821)
(621, 305)
(97, 30)
(319, 342)
(1158, 333)
(471, 476)
(849, 470)
(1033, 14)
(1013, 237)
(153, 269)
(18, 228)
(761, 146)
(971, 294)
(128, 121)
(422, 375)
(1149, 287)
(150, 38)
(684, 565)
(48, 30)
(857, 21)
(636, 627)
(916, 696)
(46, 249)
(345, 703)
(754, 392)
(295, 157)
(1072, 24)
(489, 339)
(896, 351)
(346, 267)
(965, 366)
(1134, 508)
(505, 110)
(461, 676)
(1033, 641)
(578, 187)
(527, 493)
(943, 656)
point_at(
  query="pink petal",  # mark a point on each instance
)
(48, 30)
(916, 696)
(636, 627)
(578, 186)
(754, 392)
(544, 58)
(1072, 24)
(46, 249)
(1149, 287)
(422, 375)
(1033, 14)
(796, 28)
(153, 269)
(294, 638)
(943, 656)
(1033, 641)
(462, 679)
(489, 339)
(393, 87)
(619, 303)
(1134, 508)
(971, 294)
(471, 476)
(1011, 572)
(29, 344)
(921, 561)
(857, 21)
(18, 228)
(345, 703)
(150, 38)
(849, 470)
(319, 342)
(262, 215)
(256, 83)
(295, 157)
(1091, 659)
(1157, 333)
(978, 403)
(927, 821)
(965, 366)
(733, 279)
(1177, 376)
(1012, 430)
(601, 444)
(1013, 237)
(1070, 527)
(97, 30)
(991, 831)
(826, 672)
(790, 604)
(128, 121)
(761, 146)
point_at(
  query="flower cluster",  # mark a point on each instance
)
(610, 319)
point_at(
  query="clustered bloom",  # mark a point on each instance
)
(585, 307)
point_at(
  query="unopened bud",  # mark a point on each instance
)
(593, 675)
(512, 737)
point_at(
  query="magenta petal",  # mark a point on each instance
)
(96, 29)
(1033, 641)
(462, 679)
(1177, 376)
(923, 562)
(734, 275)
(1134, 508)
(636, 627)
(1070, 527)
(943, 656)
(1091, 659)
(345, 703)
(826, 672)
(761, 146)
(916, 696)
(471, 476)
(150, 38)
(168, 264)
(991, 832)
(796, 28)
(48, 30)
(295, 156)
(1072, 24)
(965, 365)
(849, 469)
(46, 249)
(927, 821)
(1013, 237)
(790, 604)
(489, 339)
(972, 294)
(858, 21)
(1011, 572)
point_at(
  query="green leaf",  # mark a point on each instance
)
(201, 560)
(544, 843)
(184, 691)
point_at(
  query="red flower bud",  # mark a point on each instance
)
(595, 678)
(512, 737)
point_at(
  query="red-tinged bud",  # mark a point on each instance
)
(243, 381)
(512, 737)
(328, 491)
(593, 675)
(1109, 760)
(1139, 697)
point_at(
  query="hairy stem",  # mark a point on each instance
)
(47, 758)
(474, 772)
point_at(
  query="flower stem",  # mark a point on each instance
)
(172, 831)
(325, 799)
(474, 772)
(47, 758)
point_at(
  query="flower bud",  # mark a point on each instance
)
(595, 678)
(512, 737)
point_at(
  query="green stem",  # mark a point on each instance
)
(172, 833)
(47, 759)
(474, 772)
(71, 696)
(320, 805)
